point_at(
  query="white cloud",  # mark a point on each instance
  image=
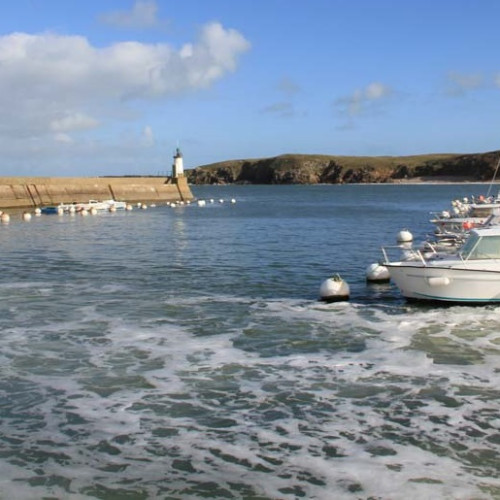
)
(63, 138)
(144, 14)
(376, 90)
(70, 68)
(362, 99)
(52, 85)
(48, 64)
(73, 121)
(148, 138)
(460, 83)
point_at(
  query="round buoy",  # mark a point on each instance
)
(38, 212)
(377, 273)
(404, 236)
(144, 206)
(26, 216)
(201, 203)
(93, 211)
(112, 208)
(84, 212)
(233, 200)
(128, 207)
(334, 289)
(5, 218)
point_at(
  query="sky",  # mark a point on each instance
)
(113, 87)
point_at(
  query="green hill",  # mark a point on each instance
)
(314, 169)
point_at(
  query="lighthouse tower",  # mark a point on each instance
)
(178, 166)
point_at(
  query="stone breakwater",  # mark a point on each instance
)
(24, 192)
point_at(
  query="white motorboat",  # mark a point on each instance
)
(470, 275)
(118, 205)
(102, 205)
(94, 204)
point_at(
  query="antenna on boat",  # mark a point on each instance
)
(493, 180)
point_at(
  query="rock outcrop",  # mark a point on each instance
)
(314, 169)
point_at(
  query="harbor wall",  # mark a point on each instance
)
(24, 192)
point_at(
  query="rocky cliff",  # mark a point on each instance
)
(314, 169)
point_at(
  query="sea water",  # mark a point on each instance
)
(182, 353)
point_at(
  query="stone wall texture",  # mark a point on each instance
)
(20, 192)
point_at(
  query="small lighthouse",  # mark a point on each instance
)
(178, 166)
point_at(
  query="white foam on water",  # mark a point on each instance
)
(289, 398)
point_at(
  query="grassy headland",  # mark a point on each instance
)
(326, 169)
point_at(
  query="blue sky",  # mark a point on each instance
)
(112, 87)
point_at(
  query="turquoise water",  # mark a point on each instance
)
(182, 354)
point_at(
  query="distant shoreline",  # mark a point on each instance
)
(443, 180)
(400, 182)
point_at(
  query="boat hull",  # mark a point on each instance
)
(446, 284)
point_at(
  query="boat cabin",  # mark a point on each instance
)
(482, 244)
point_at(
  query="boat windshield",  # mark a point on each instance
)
(477, 247)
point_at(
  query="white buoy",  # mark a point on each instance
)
(38, 212)
(139, 205)
(144, 206)
(129, 207)
(221, 201)
(93, 211)
(334, 289)
(60, 211)
(5, 218)
(233, 200)
(201, 203)
(404, 236)
(26, 216)
(112, 208)
(84, 212)
(377, 273)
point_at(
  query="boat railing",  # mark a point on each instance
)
(406, 253)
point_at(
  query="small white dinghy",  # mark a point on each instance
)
(334, 289)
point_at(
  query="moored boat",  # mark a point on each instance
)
(51, 210)
(100, 205)
(469, 275)
(105, 205)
